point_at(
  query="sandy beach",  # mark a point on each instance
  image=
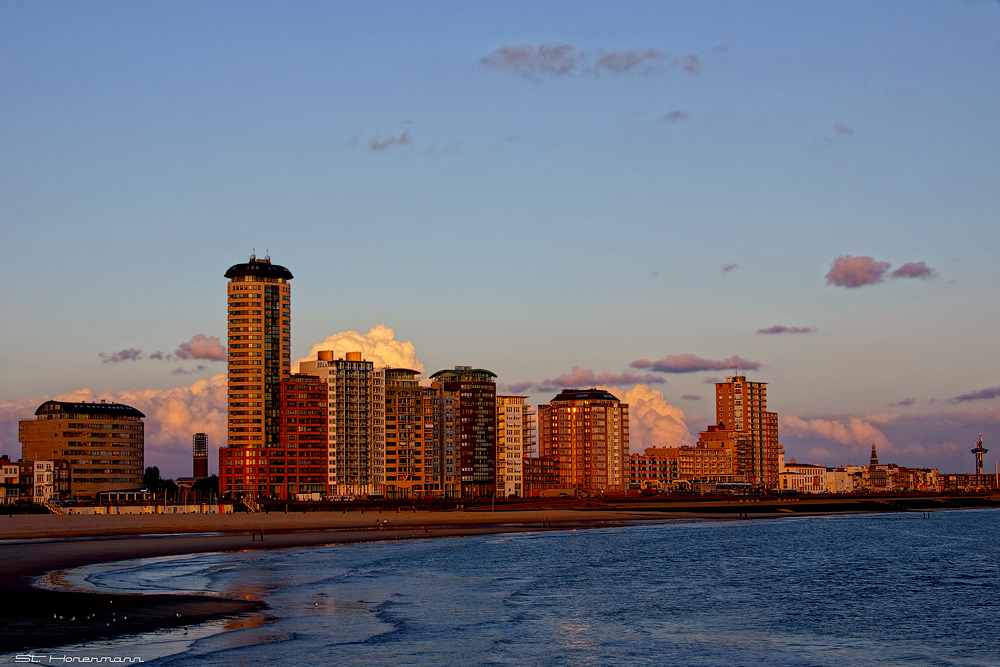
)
(33, 545)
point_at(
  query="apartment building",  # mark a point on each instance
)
(587, 433)
(355, 403)
(515, 442)
(464, 420)
(259, 358)
(102, 444)
(741, 412)
(409, 460)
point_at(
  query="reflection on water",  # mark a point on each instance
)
(850, 590)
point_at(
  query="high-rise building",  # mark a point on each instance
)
(409, 468)
(355, 399)
(259, 354)
(586, 431)
(464, 426)
(103, 443)
(304, 436)
(515, 426)
(742, 416)
(199, 455)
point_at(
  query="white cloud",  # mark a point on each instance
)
(379, 345)
(652, 421)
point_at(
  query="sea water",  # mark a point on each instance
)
(887, 589)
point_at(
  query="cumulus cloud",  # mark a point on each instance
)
(549, 61)
(732, 266)
(201, 347)
(131, 354)
(379, 143)
(379, 345)
(777, 329)
(978, 395)
(675, 116)
(653, 422)
(848, 271)
(689, 363)
(914, 270)
(534, 62)
(852, 431)
(172, 417)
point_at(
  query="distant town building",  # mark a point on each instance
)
(259, 356)
(587, 433)
(10, 487)
(844, 479)
(199, 455)
(802, 477)
(102, 444)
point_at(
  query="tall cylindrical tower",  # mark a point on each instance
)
(259, 355)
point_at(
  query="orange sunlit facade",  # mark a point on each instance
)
(259, 358)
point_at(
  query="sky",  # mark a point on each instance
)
(635, 195)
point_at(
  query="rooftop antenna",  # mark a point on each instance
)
(253, 254)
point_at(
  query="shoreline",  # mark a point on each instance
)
(36, 545)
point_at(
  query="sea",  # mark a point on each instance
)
(878, 589)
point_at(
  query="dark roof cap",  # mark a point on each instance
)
(259, 267)
(592, 394)
(110, 409)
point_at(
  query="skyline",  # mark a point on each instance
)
(636, 197)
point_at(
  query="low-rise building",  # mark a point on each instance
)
(9, 481)
(540, 474)
(802, 477)
(657, 468)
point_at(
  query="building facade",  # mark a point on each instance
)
(199, 455)
(586, 431)
(355, 403)
(803, 478)
(463, 404)
(259, 358)
(102, 444)
(515, 431)
(410, 470)
(741, 411)
(10, 485)
(656, 469)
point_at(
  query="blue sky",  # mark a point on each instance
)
(429, 167)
